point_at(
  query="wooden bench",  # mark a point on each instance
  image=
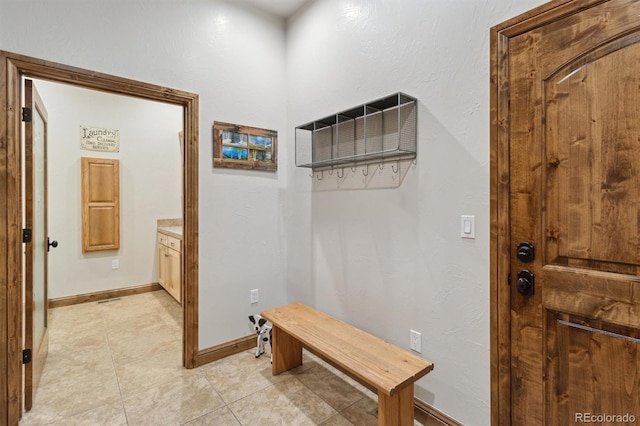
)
(381, 366)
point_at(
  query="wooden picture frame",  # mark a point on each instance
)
(244, 147)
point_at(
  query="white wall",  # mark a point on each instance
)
(233, 58)
(150, 185)
(392, 260)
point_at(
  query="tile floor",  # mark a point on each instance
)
(119, 363)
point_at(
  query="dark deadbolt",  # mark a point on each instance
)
(526, 252)
(526, 283)
(50, 244)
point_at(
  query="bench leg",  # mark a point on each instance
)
(396, 410)
(287, 351)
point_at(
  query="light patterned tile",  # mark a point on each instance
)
(362, 389)
(70, 396)
(72, 330)
(240, 375)
(220, 417)
(286, 403)
(172, 403)
(363, 412)
(75, 365)
(39, 417)
(143, 346)
(107, 415)
(164, 367)
(71, 341)
(163, 298)
(329, 386)
(124, 311)
(82, 385)
(76, 315)
(138, 327)
(171, 307)
(337, 420)
(172, 317)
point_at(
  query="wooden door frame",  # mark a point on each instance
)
(500, 249)
(12, 68)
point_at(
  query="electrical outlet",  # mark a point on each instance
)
(254, 296)
(415, 341)
(115, 264)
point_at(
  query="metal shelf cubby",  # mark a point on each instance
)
(378, 131)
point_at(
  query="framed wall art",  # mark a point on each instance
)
(244, 147)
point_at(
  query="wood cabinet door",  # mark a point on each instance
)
(100, 204)
(572, 102)
(162, 265)
(174, 262)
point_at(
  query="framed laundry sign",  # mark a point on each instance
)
(99, 139)
(244, 147)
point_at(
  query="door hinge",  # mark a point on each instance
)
(26, 115)
(26, 356)
(26, 235)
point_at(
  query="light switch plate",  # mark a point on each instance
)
(467, 226)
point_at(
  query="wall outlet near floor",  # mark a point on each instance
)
(115, 264)
(415, 341)
(254, 296)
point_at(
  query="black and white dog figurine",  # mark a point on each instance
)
(263, 329)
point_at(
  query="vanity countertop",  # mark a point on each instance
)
(172, 231)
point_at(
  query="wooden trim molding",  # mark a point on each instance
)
(102, 295)
(424, 409)
(10, 245)
(12, 68)
(224, 350)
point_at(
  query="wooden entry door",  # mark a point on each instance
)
(566, 179)
(36, 297)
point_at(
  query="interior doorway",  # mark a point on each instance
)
(13, 68)
(150, 190)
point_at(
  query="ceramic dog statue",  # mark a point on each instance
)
(263, 329)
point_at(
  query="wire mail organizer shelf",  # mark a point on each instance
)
(376, 132)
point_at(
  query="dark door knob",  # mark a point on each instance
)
(526, 283)
(526, 252)
(50, 244)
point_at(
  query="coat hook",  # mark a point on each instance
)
(415, 162)
(353, 169)
(396, 169)
(363, 169)
(381, 166)
(312, 174)
(321, 174)
(331, 172)
(340, 175)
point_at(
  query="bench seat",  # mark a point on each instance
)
(381, 366)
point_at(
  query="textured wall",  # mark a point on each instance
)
(391, 260)
(150, 185)
(233, 58)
